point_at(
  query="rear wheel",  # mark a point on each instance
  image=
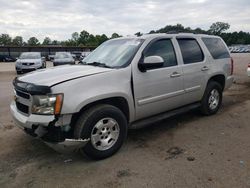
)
(106, 126)
(212, 98)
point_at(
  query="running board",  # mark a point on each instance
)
(153, 119)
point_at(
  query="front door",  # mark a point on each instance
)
(161, 89)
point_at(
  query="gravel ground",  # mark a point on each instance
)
(186, 151)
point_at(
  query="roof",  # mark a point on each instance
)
(151, 36)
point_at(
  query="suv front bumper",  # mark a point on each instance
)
(39, 126)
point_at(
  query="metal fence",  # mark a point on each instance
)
(15, 51)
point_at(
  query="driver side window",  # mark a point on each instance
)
(163, 48)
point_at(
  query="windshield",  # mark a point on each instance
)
(30, 56)
(62, 55)
(114, 53)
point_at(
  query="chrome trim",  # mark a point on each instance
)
(160, 97)
(191, 89)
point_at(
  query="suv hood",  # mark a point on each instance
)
(55, 75)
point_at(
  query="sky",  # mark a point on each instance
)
(58, 19)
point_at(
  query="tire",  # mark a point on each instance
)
(18, 72)
(212, 98)
(112, 130)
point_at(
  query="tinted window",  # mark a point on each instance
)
(216, 48)
(191, 51)
(164, 49)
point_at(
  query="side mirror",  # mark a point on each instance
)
(151, 62)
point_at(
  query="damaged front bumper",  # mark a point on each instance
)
(68, 145)
(43, 127)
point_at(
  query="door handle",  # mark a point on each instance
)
(205, 68)
(175, 74)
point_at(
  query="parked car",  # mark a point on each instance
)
(51, 57)
(63, 58)
(248, 70)
(76, 54)
(6, 58)
(30, 61)
(125, 83)
(83, 55)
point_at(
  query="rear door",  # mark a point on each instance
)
(161, 89)
(195, 69)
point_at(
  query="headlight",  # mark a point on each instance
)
(47, 104)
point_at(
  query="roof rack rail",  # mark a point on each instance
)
(178, 32)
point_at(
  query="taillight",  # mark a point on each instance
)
(249, 65)
(232, 66)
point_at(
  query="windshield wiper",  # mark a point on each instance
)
(98, 64)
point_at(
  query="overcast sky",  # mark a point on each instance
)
(58, 19)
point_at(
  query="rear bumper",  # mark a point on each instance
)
(229, 82)
(42, 127)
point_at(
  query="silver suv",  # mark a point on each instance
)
(125, 83)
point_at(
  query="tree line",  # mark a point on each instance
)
(86, 39)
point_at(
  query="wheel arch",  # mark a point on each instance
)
(119, 102)
(219, 78)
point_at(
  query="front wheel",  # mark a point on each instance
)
(106, 126)
(212, 98)
(18, 72)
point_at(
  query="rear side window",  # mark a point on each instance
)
(216, 48)
(191, 51)
(164, 49)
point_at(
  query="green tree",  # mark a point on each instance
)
(91, 41)
(138, 34)
(5, 39)
(69, 42)
(47, 41)
(218, 27)
(18, 41)
(115, 35)
(101, 38)
(75, 38)
(33, 41)
(84, 37)
(55, 42)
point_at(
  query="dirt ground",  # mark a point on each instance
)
(186, 151)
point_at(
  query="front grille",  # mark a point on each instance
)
(23, 95)
(28, 63)
(22, 108)
(23, 101)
